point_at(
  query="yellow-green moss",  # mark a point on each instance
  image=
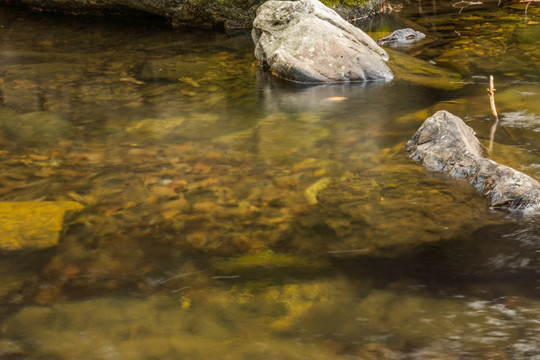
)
(33, 224)
(266, 259)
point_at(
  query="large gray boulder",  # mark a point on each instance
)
(444, 143)
(305, 41)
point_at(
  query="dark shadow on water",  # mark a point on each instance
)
(494, 261)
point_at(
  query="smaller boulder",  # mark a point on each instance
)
(445, 143)
(402, 37)
(305, 41)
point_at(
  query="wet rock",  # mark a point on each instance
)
(444, 143)
(33, 225)
(304, 41)
(402, 37)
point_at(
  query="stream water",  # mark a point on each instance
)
(203, 235)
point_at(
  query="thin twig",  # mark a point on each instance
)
(526, 7)
(528, 3)
(491, 91)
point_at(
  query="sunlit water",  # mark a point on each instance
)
(203, 235)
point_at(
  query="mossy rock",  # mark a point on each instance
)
(34, 225)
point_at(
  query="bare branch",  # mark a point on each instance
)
(491, 91)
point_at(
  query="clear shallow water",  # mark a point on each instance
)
(202, 237)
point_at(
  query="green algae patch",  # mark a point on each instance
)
(33, 225)
(247, 265)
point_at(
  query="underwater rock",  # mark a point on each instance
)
(305, 41)
(36, 128)
(417, 71)
(445, 327)
(280, 322)
(171, 69)
(394, 207)
(34, 225)
(444, 143)
(280, 126)
(205, 326)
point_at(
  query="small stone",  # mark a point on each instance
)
(163, 191)
(172, 209)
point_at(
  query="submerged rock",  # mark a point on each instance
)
(394, 207)
(279, 322)
(444, 143)
(286, 129)
(33, 225)
(202, 326)
(39, 127)
(305, 41)
(417, 71)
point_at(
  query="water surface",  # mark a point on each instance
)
(202, 235)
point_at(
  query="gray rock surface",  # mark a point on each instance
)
(444, 143)
(305, 41)
(402, 37)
